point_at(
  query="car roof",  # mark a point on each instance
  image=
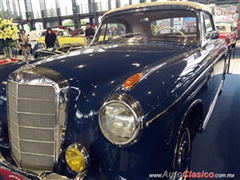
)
(150, 4)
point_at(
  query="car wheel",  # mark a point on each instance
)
(184, 148)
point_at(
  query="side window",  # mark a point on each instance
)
(172, 25)
(111, 30)
(207, 23)
(115, 29)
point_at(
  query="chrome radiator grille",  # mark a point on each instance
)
(31, 121)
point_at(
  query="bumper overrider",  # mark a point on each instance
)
(8, 171)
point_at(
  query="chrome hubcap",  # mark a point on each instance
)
(184, 153)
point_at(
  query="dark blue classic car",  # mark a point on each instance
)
(126, 108)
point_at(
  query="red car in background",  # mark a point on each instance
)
(8, 61)
(227, 32)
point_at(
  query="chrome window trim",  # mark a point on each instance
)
(135, 108)
(38, 76)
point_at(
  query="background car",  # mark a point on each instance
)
(64, 38)
(58, 32)
(227, 32)
(8, 61)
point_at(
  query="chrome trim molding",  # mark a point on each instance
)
(135, 108)
(40, 76)
(205, 122)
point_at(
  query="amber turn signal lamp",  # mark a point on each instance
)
(130, 82)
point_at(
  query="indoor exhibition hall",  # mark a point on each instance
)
(119, 89)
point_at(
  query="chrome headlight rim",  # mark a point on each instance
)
(84, 153)
(135, 108)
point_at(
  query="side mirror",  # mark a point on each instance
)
(233, 29)
(212, 35)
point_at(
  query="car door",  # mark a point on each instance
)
(217, 50)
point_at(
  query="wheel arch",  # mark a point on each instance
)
(193, 116)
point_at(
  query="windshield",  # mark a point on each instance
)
(150, 26)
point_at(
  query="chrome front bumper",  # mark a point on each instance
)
(7, 169)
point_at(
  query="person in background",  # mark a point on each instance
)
(33, 39)
(70, 30)
(75, 32)
(50, 38)
(66, 29)
(113, 31)
(89, 33)
(81, 31)
(23, 41)
(94, 27)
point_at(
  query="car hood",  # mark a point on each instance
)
(102, 63)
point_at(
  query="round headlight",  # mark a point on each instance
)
(120, 119)
(77, 158)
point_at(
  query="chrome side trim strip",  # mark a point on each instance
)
(205, 122)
